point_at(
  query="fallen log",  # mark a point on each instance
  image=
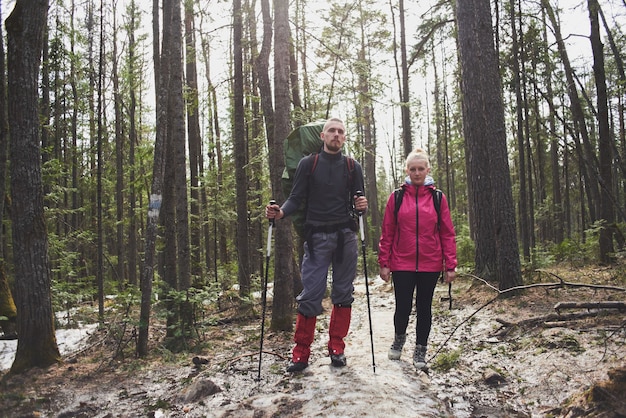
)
(539, 320)
(621, 306)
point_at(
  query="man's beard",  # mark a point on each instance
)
(333, 146)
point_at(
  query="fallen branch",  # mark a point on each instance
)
(560, 283)
(550, 320)
(587, 285)
(590, 305)
(234, 360)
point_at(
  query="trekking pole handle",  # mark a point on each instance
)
(272, 202)
(359, 193)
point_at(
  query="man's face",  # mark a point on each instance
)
(333, 136)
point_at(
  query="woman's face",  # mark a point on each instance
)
(417, 170)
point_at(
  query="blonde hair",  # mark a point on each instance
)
(418, 154)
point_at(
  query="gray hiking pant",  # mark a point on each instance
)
(315, 271)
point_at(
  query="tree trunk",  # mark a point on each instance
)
(99, 169)
(167, 266)
(239, 137)
(176, 135)
(283, 302)
(476, 148)
(607, 213)
(256, 147)
(132, 139)
(7, 303)
(521, 149)
(156, 190)
(195, 142)
(405, 109)
(119, 166)
(4, 129)
(37, 346)
(483, 108)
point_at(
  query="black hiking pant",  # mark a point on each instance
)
(405, 285)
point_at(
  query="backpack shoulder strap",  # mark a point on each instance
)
(398, 194)
(437, 196)
(315, 156)
(350, 163)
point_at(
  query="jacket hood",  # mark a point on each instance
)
(428, 181)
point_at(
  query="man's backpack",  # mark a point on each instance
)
(302, 141)
(398, 194)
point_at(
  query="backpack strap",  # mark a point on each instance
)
(398, 194)
(315, 156)
(350, 163)
(437, 196)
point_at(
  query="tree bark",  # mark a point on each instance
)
(119, 167)
(4, 131)
(37, 346)
(476, 148)
(483, 124)
(176, 135)
(132, 139)
(195, 141)
(239, 137)
(607, 213)
(517, 80)
(405, 108)
(156, 189)
(283, 302)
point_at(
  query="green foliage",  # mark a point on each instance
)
(446, 361)
(68, 294)
(579, 250)
(539, 258)
(464, 245)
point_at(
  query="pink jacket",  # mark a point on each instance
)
(405, 247)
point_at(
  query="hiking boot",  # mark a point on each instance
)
(296, 367)
(396, 347)
(338, 360)
(419, 357)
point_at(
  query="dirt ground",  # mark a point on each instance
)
(488, 357)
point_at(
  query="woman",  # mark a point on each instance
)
(416, 245)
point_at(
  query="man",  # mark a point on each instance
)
(328, 183)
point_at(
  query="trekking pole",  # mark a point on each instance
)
(367, 289)
(449, 298)
(264, 287)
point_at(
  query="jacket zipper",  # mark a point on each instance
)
(417, 241)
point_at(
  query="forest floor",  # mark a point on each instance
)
(489, 357)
